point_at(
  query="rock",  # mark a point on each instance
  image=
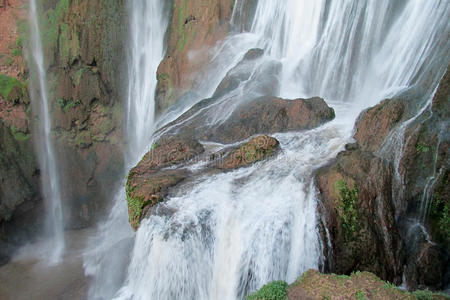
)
(195, 27)
(148, 183)
(258, 148)
(267, 115)
(240, 73)
(85, 67)
(375, 123)
(357, 208)
(381, 205)
(146, 189)
(177, 145)
(263, 115)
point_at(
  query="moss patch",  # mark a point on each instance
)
(276, 290)
(348, 208)
(8, 85)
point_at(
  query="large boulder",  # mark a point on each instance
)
(261, 115)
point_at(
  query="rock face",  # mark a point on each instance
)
(178, 147)
(83, 50)
(375, 193)
(20, 198)
(84, 53)
(194, 28)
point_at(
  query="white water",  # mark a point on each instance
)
(230, 233)
(54, 227)
(107, 254)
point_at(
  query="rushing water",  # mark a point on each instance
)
(54, 227)
(107, 255)
(228, 234)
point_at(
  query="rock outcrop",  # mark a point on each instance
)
(377, 192)
(20, 197)
(178, 145)
(83, 50)
(84, 53)
(195, 27)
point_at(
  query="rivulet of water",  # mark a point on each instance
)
(54, 226)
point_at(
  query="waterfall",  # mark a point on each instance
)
(228, 234)
(107, 254)
(54, 227)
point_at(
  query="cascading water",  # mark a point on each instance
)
(231, 233)
(107, 254)
(47, 159)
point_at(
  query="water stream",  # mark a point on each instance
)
(107, 255)
(54, 227)
(228, 234)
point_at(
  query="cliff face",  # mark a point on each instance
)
(373, 201)
(20, 198)
(195, 27)
(84, 54)
(84, 51)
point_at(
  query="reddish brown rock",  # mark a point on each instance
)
(195, 27)
(258, 148)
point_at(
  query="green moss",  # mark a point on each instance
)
(421, 148)
(135, 206)
(65, 105)
(440, 213)
(347, 208)
(7, 84)
(276, 290)
(18, 135)
(360, 295)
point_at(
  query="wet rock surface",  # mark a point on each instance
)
(178, 146)
(381, 188)
(191, 35)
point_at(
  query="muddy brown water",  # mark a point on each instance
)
(28, 277)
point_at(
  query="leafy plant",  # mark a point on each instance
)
(276, 290)
(422, 148)
(347, 207)
(440, 211)
(360, 295)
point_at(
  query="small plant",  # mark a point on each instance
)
(423, 295)
(421, 148)
(360, 295)
(389, 286)
(347, 206)
(276, 290)
(440, 211)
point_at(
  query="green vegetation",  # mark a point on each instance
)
(360, 295)
(440, 211)
(135, 207)
(347, 208)
(66, 105)
(7, 84)
(428, 295)
(421, 148)
(18, 135)
(276, 290)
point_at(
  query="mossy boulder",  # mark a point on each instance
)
(257, 149)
